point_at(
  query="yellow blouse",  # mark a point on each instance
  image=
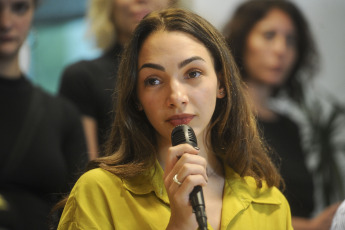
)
(101, 200)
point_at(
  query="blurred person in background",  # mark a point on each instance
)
(42, 143)
(272, 45)
(89, 84)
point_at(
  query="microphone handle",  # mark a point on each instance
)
(196, 198)
(185, 134)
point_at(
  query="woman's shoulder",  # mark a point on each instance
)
(88, 203)
(98, 176)
(96, 181)
(246, 201)
(88, 68)
(96, 184)
(57, 107)
(248, 189)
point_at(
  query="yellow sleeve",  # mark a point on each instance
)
(286, 206)
(87, 206)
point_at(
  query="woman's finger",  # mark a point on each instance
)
(175, 153)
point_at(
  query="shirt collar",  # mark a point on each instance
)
(151, 181)
(245, 188)
(240, 190)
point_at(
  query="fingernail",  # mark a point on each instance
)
(197, 148)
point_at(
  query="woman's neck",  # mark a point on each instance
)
(9, 68)
(214, 166)
(260, 95)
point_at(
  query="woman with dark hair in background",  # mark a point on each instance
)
(42, 143)
(273, 48)
(178, 70)
(89, 84)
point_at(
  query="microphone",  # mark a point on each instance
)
(185, 134)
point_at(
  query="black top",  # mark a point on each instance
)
(284, 138)
(53, 159)
(90, 85)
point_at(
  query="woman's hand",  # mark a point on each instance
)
(321, 222)
(183, 161)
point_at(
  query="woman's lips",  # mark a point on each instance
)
(277, 68)
(180, 119)
(6, 39)
(139, 15)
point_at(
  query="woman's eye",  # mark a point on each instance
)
(291, 40)
(269, 35)
(151, 81)
(20, 7)
(194, 74)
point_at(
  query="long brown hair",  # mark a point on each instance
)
(248, 14)
(131, 150)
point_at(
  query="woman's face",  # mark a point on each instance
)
(128, 13)
(270, 51)
(15, 23)
(177, 83)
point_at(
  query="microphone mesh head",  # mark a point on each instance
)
(183, 134)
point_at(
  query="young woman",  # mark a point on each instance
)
(273, 47)
(89, 84)
(176, 70)
(42, 143)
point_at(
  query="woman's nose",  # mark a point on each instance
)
(5, 19)
(280, 45)
(178, 96)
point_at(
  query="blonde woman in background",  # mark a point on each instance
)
(89, 84)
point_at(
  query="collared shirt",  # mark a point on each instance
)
(101, 200)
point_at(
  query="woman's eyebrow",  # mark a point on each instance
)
(153, 66)
(180, 65)
(189, 60)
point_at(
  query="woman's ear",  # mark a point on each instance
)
(221, 92)
(139, 106)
